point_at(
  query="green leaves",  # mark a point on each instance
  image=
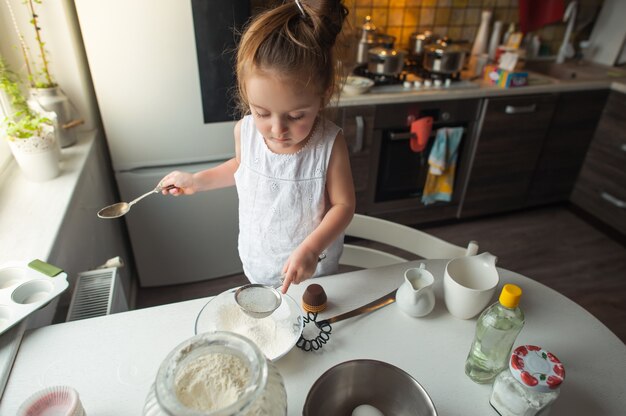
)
(23, 122)
(26, 126)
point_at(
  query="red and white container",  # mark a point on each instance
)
(53, 401)
(530, 385)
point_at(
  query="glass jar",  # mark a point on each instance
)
(530, 385)
(217, 374)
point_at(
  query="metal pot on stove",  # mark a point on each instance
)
(418, 42)
(370, 38)
(444, 57)
(385, 61)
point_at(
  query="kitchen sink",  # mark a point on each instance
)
(574, 70)
(535, 78)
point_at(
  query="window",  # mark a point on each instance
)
(5, 152)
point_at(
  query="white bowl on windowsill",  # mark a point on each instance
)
(357, 85)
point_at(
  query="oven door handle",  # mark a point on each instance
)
(524, 109)
(400, 136)
(360, 133)
(406, 136)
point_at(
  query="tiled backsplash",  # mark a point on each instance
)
(457, 19)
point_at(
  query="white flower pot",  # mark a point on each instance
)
(37, 156)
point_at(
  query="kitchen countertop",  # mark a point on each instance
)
(538, 84)
(112, 360)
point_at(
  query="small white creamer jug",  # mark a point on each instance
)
(415, 296)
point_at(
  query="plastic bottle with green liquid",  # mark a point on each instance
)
(496, 331)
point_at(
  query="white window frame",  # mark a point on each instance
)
(5, 152)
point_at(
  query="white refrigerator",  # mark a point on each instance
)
(162, 78)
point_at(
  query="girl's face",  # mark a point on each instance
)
(284, 110)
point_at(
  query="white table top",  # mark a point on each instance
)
(112, 361)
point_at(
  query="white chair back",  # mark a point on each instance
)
(399, 236)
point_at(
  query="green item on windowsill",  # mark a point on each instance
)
(45, 268)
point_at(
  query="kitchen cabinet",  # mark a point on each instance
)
(358, 127)
(601, 186)
(507, 151)
(573, 125)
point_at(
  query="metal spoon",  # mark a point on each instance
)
(121, 208)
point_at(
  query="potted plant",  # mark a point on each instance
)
(30, 134)
(44, 91)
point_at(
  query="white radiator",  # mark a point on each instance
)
(97, 293)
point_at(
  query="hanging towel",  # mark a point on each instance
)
(420, 132)
(442, 165)
(535, 14)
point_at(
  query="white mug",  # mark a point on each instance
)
(469, 283)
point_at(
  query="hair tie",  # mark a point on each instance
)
(302, 12)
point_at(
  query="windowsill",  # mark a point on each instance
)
(31, 213)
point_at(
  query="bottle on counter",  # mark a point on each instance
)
(508, 33)
(478, 56)
(496, 331)
(480, 42)
(529, 385)
(494, 42)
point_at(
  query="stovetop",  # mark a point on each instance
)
(414, 79)
(423, 85)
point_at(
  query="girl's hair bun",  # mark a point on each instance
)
(295, 39)
(326, 18)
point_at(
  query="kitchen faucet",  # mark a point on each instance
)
(570, 17)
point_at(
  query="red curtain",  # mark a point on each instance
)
(535, 14)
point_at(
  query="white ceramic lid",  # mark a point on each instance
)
(536, 368)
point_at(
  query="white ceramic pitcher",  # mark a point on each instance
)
(416, 296)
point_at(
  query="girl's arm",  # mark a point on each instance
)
(340, 189)
(220, 176)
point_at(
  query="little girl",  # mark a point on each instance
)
(291, 166)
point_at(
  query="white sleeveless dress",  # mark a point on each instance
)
(282, 199)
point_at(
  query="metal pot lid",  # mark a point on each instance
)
(426, 35)
(445, 47)
(385, 52)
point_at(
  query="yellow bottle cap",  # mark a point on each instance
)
(510, 296)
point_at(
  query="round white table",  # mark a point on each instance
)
(113, 360)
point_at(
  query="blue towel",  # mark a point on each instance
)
(442, 165)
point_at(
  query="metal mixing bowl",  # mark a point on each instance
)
(353, 383)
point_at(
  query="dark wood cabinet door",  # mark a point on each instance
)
(601, 186)
(575, 119)
(358, 124)
(507, 152)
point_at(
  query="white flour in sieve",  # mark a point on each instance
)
(272, 338)
(212, 381)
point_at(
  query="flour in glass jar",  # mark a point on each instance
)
(273, 339)
(212, 382)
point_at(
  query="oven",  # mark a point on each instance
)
(399, 174)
